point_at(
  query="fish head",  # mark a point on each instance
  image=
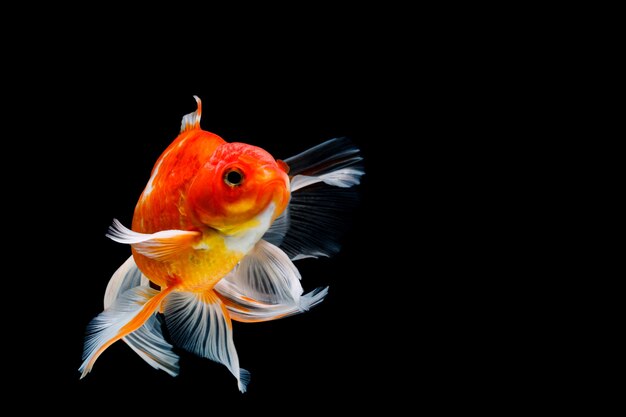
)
(239, 182)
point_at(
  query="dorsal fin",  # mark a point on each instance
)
(191, 121)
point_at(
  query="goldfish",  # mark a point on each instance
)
(214, 237)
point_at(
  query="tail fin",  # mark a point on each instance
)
(147, 341)
(127, 314)
(322, 199)
(199, 323)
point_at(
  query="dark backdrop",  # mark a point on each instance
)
(85, 117)
(97, 147)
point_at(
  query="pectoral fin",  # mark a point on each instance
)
(267, 274)
(244, 308)
(160, 245)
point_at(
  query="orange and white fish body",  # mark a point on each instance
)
(214, 236)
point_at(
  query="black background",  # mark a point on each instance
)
(97, 150)
(424, 308)
(406, 319)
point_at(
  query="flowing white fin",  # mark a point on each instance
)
(147, 341)
(344, 178)
(267, 274)
(322, 199)
(277, 231)
(191, 121)
(160, 245)
(243, 308)
(127, 314)
(126, 277)
(199, 323)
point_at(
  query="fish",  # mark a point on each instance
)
(214, 237)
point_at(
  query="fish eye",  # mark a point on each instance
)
(233, 177)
